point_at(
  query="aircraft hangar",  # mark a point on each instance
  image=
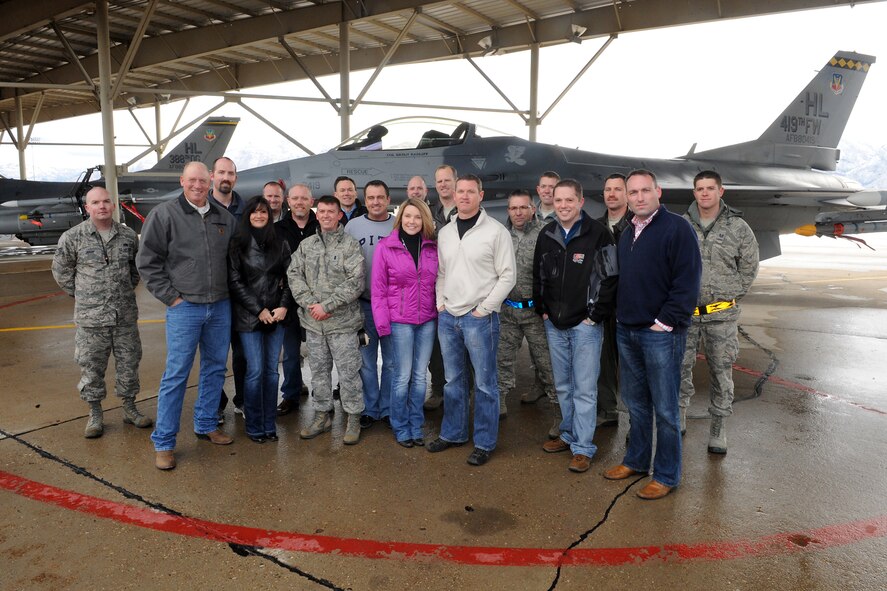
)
(63, 58)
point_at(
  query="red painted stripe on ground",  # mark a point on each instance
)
(34, 299)
(772, 545)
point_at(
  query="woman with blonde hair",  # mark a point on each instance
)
(405, 307)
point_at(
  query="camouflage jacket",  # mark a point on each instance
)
(327, 268)
(524, 242)
(100, 276)
(729, 260)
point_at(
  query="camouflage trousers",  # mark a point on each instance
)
(93, 346)
(514, 326)
(720, 343)
(341, 349)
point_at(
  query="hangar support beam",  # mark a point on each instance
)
(104, 49)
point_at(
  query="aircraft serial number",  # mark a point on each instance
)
(184, 158)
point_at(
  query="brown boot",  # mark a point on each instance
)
(164, 460)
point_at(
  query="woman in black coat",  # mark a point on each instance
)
(260, 298)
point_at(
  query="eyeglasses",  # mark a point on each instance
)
(517, 208)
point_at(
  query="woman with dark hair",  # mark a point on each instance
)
(260, 298)
(404, 306)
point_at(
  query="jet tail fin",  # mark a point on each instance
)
(205, 143)
(807, 133)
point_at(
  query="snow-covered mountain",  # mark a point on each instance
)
(864, 163)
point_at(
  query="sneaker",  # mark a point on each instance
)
(479, 457)
(405, 443)
(419, 441)
(440, 445)
(366, 421)
(434, 401)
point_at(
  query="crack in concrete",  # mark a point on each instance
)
(765, 375)
(239, 549)
(584, 536)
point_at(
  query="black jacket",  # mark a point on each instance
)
(257, 282)
(290, 231)
(617, 230)
(577, 280)
(359, 210)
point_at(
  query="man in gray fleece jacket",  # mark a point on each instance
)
(183, 262)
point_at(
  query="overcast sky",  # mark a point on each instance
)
(651, 93)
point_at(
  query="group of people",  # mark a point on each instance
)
(612, 309)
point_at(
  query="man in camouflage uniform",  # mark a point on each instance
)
(729, 266)
(518, 319)
(326, 276)
(95, 264)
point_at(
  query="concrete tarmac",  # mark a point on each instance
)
(797, 503)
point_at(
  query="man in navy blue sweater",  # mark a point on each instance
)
(659, 274)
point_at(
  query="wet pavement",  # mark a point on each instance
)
(797, 503)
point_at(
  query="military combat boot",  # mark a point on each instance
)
(503, 408)
(132, 416)
(555, 430)
(717, 436)
(94, 426)
(352, 430)
(320, 424)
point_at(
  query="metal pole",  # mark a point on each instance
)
(344, 74)
(533, 121)
(19, 116)
(104, 54)
(159, 147)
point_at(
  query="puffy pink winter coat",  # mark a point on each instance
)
(400, 292)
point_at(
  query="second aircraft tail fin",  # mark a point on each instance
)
(205, 143)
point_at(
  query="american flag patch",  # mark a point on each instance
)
(578, 257)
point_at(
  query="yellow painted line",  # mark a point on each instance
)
(882, 277)
(58, 326)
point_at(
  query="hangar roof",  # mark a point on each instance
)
(49, 49)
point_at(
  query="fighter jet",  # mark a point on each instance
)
(782, 181)
(39, 212)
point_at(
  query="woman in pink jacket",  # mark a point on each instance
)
(404, 306)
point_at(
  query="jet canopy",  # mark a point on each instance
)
(415, 133)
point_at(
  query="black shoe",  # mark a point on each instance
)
(366, 421)
(257, 438)
(287, 406)
(304, 391)
(405, 443)
(271, 436)
(387, 421)
(221, 418)
(440, 445)
(336, 392)
(479, 457)
(419, 441)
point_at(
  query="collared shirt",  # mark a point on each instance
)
(639, 225)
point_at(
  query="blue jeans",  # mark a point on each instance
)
(412, 344)
(650, 382)
(575, 362)
(376, 398)
(187, 327)
(262, 352)
(292, 358)
(480, 338)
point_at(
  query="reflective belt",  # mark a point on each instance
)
(520, 304)
(714, 307)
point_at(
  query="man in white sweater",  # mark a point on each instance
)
(476, 272)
